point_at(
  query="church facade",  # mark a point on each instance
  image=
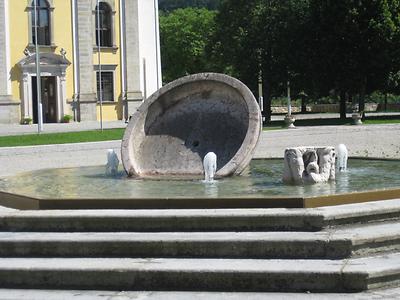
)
(90, 51)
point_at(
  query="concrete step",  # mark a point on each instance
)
(370, 239)
(200, 274)
(30, 294)
(367, 212)
(199, 219)
(161, 220)
(176, 244)
(356, 241)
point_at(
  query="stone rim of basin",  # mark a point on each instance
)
(241, 157)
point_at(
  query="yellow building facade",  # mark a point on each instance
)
(97, 58)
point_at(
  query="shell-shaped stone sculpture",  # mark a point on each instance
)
(177, 126)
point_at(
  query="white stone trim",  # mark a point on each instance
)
(27, 96)
(122, 46)
(8, 54)
(106, 68)
(54, 70)
(75, 44)
(61, 97)
(157, 41)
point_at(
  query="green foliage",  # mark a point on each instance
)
(379, 97)
(354, 42)
(184, 34)
(61, 138)
(67, 118)
(324, 48)
(331, 50)
(26, 121)
(267, 37)
(169, 5)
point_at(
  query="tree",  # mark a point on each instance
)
(263, 36)
(169, 5)
(353, 45)
(184, 34)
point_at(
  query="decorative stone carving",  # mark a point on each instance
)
(175, 128)
(309, 165)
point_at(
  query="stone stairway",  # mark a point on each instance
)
(345, 248)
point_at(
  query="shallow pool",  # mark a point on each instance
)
(263, 178)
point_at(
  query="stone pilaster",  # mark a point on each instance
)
(9, 110)
(87, 96)
(134, 94)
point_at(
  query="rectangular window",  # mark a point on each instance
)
(43, 23)
(107, 86)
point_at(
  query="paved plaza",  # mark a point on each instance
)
(374, 141)
(110, 295)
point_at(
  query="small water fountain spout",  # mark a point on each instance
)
(112, 163)
(210, 166)
(342, 156)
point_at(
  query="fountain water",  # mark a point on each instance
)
(210, 166)
(167, 145)
(342, 156)
(112, 163)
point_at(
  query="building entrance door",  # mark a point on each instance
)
(49, 99)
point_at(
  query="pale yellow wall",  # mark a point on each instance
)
(112, 111)
(18, 19)
(62, 17)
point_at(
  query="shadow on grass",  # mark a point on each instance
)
(273, 125)
(310, 122)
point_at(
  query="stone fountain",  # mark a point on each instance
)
(173, 130)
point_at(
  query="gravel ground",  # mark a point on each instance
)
(374, 141)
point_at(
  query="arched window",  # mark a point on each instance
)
(43, 22)
(103, 25)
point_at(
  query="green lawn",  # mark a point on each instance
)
(61, 138)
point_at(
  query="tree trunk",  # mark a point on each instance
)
(267, 103)
(361, 99)
(343, 105)
(385, 105)
(303, 105)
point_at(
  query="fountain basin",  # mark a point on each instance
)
(260, 186)
(177, 126)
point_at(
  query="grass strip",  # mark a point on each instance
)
(273, 125)
(62, 137)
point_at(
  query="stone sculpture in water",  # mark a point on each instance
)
(175, 128)
(308, 165)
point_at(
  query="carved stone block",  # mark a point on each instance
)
(309, 165)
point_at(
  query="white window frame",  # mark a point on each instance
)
(107, 68)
